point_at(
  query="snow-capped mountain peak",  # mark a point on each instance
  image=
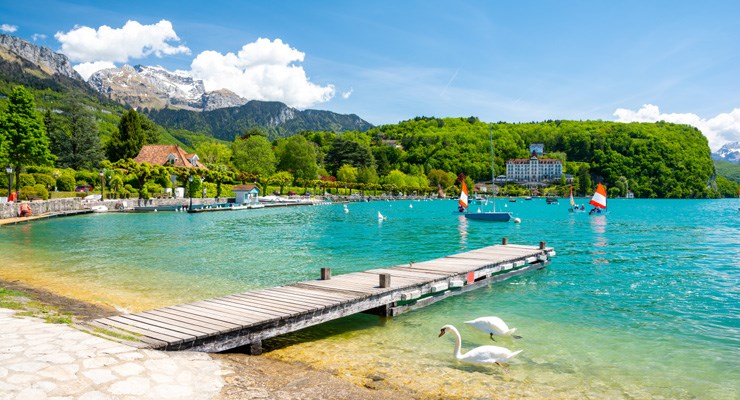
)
(729, 152)
(156, 87)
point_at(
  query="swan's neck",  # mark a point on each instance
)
(458, 342)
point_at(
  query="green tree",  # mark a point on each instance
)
(85, 151)
(297, 156)
(344, 151)
(282, 179)
(347, 174)
(253, 155)
(56, 130)
(213, 153)
(25, 141)
(585, 186)
(396, 178)
(439, 178)
(367, 175)
(254, 131)
(128, 140)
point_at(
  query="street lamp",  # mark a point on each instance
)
(190, 192)
(102, 185)
(9, 170)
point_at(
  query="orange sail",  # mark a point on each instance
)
(464, 196)
(572, 201)
(599, 199)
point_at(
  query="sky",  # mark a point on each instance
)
(390, 61)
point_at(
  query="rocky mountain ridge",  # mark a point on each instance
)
(13, 48)
(172, 99)
(142, 86)
(278, 119)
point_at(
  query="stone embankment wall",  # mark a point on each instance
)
(39, 207)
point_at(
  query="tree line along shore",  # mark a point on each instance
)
(61, 149)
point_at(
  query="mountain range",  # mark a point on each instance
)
(729, 152)
(170, 99)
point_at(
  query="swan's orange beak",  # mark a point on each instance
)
(441, 332)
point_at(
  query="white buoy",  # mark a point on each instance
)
(411, 206)
(155, 210)
(517, 220)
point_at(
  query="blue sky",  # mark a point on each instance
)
(388, 61)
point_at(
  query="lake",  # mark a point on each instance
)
(640, 303)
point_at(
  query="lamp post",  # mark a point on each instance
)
(9, 170)
(190, 192)
(102, 185)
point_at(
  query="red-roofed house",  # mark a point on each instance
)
(168, 154)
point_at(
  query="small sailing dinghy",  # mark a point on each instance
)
(462, 202)
(598, 201)
(497, 216)
(574, 208)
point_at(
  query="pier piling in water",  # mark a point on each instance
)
(385, 280)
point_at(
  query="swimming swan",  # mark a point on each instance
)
(494, 326)
(482, 354)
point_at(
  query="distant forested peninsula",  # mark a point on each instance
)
(661, 160)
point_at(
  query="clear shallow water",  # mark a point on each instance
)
(642, 303)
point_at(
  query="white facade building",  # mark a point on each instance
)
(533, 169)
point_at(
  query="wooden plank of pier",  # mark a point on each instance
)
(248, 318)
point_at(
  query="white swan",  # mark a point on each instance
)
(494, 326)
(482, 354)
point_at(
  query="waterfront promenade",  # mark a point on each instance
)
(45, 361)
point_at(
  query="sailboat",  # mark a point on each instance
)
(499, 216)
(573, 206)
(463, 201)
(598, 201)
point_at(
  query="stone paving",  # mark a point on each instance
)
(49, 361)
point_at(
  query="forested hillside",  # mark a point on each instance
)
(656, 159)
(728, 170)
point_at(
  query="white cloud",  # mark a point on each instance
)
(347, 94)
(89, 68)
(133, 40)
(37, 36)
(262, 70)
(8, 28)
(719, 130)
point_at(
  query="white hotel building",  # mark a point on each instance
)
(533, 169)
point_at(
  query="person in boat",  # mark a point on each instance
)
(461, 208)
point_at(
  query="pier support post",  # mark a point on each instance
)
(385, 280)
(255, 348)
(542, 245)
(505, 241)
(325, 274)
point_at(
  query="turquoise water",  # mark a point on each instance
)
(640, 303)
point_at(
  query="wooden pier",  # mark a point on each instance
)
(245, 319)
